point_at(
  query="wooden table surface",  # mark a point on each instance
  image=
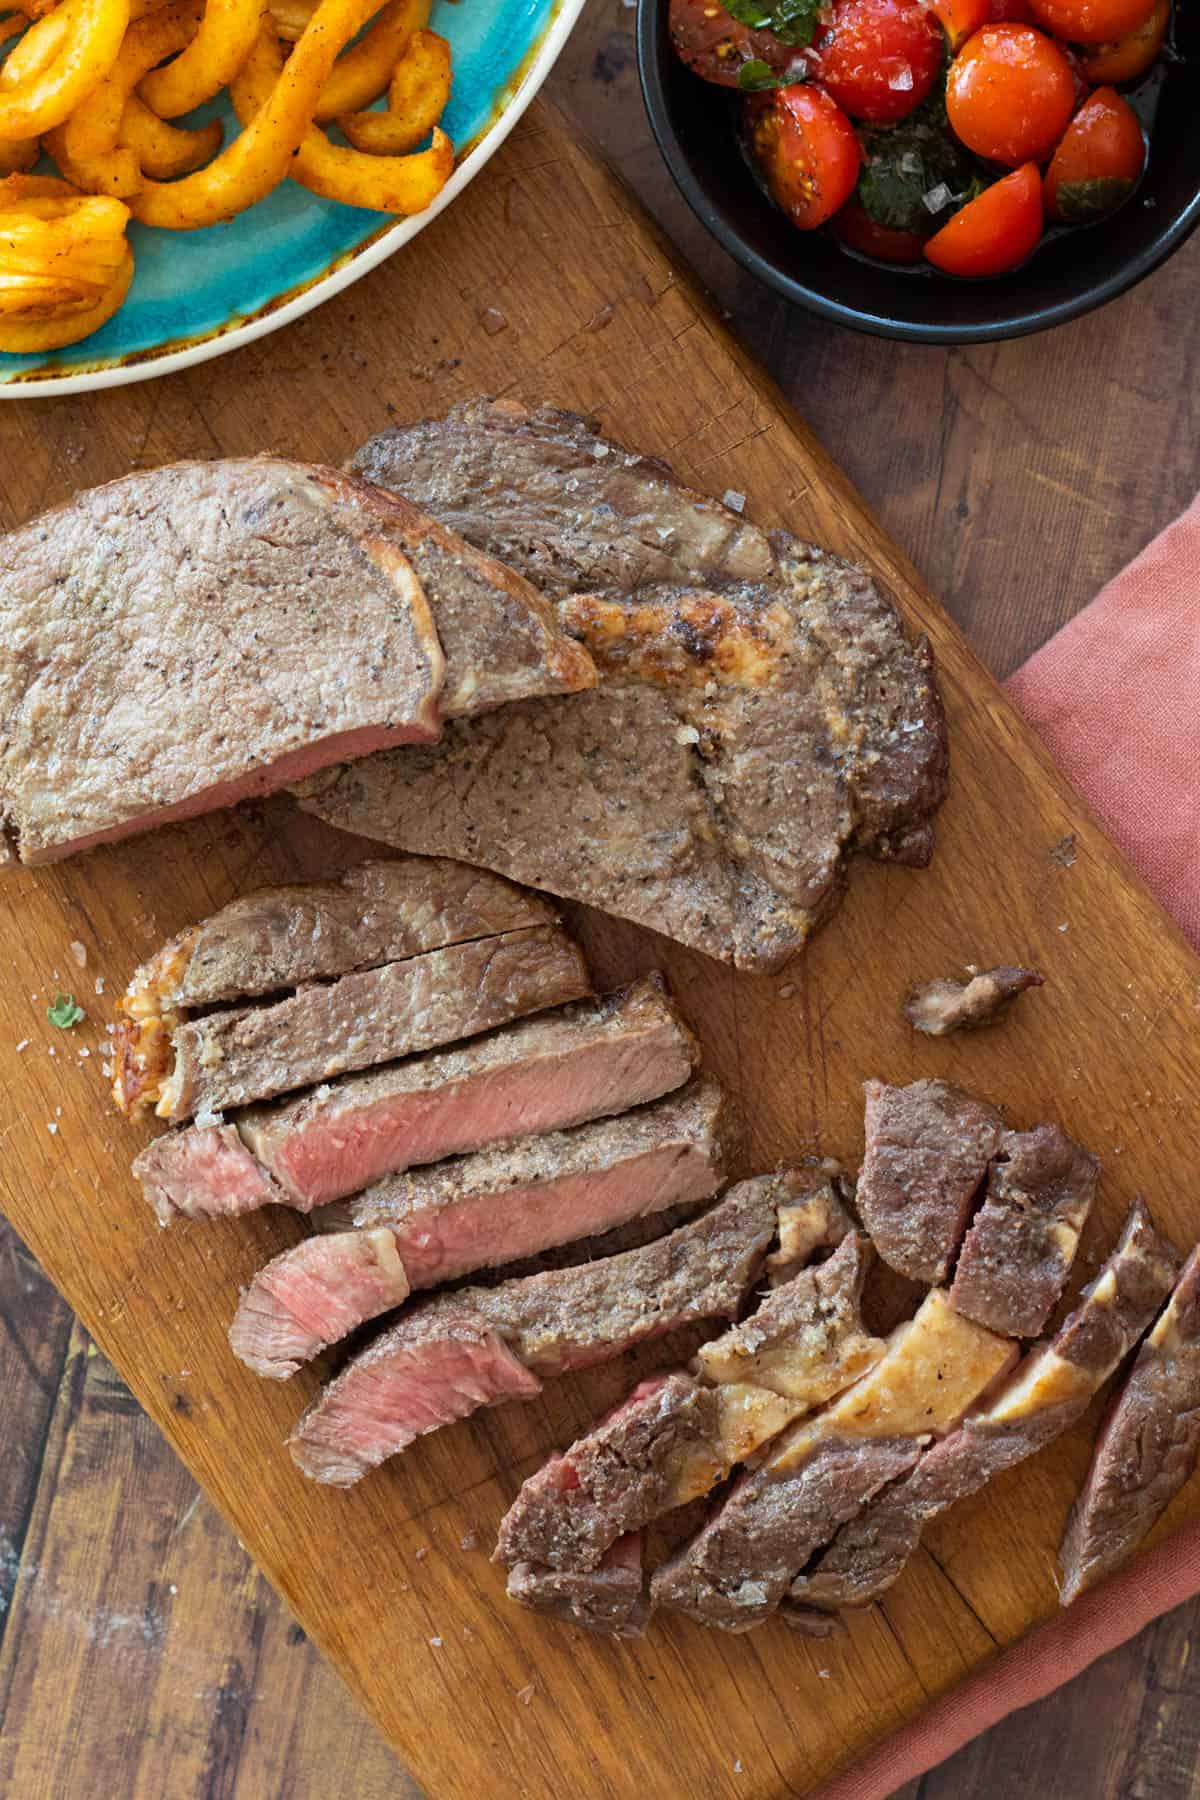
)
(1019, 478)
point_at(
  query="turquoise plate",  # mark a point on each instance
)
(196, 294)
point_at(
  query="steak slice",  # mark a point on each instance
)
(815, 1219)
(451, 1354)
(939, 1007)
(252, 1052)
(928, 1149)
(542, 492)
(168, 642)
(1050, 1389)
(314, 1294)
(1147, 1445)
(741, 1565)
(556, 1069)
(479, 1211)
(484, 1210)
(1018, 1252)
(610, 1600)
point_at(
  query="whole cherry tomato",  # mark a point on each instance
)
(1010, 94)
(717, 47)
(1098, 162)
(879, 58)
(1130, 56)
(807, 151)
(855, 226)
(996, 231)
(959, 18)
(1091, 21)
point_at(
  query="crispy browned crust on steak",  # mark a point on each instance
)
(609, 1600)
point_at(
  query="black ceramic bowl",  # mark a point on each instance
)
(695, 124)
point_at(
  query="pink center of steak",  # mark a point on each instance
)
(206, 1171)
(313, 1295)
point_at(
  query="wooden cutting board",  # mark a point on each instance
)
(546, 282)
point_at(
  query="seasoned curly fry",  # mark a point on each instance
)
(363, 71)
(93, 33)
(25, 336)
(214, 56)
(163, 150)
(417, 97)
(94, 127)
(18, 153)
(291, 16)
(260, 158)
(395, 184)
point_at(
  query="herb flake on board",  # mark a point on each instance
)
(65, 1012)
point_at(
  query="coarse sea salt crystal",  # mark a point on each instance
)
(52, 1128)
(99, 984)
(23, 1045)
(208, 1118)
(901, 81)
(734, 501)
(79, 952)
(687, 734)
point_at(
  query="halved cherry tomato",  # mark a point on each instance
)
(959, 18)
(1091, 21)
(1130, 56)
(716, 46)
(855, 226)
(1099, 160)
(1010, 94)
(806, 148)
(879, 58)
(996, 231)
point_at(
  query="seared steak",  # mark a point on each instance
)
(1147, 1445)
(939, 1007)
(477, 1211)
(928, 1148)
(610, 1600)
(555, 1069)
(740, 1566)
(449, 1355)
(313, 1295)
(1050, 1389)
(760, 716)
(814, 1219)
(1018, 1252)
(169, 642)
(248, 1053)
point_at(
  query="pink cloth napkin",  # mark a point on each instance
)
(1116, 698)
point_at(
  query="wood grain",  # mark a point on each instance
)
(1111, 1048)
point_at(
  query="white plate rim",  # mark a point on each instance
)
(358, 263)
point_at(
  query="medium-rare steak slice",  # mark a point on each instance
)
(497, 1205)
(228, 1058)
(928, 1148)
(475, 1212)
(201, 1171)
(280, 937)
(541, 491)
(1147, 1445)
(187, 636)
(418, 1376)
(1018, 1252)
(939, 1007)
(1050, 1389)
(610, 1600)
(740, 1566)
(313, 1295)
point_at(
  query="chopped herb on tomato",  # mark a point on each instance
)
(914, 174)
(794, 22)
(756, 75)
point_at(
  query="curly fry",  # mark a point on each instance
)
(18, 153)
(417, 97)
(362, 72)
(264, 153)
(163, 150)
(93, 33)
(25, 336)
(214, 56)
(291, 16)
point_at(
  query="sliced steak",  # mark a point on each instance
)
(610, 1600)
(928, 1148)
(1018, 1252)
(588, 1060)
(740, 1566)
(227, 1058)
(481, 1211)
(1050, 1389)
(476, 1212)
(806, 1341)
(1147, 1446)
(313, 1295)
(168, 642)
(449, 1355)
(939, 1007)
(202, 1171)
(542, 492)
